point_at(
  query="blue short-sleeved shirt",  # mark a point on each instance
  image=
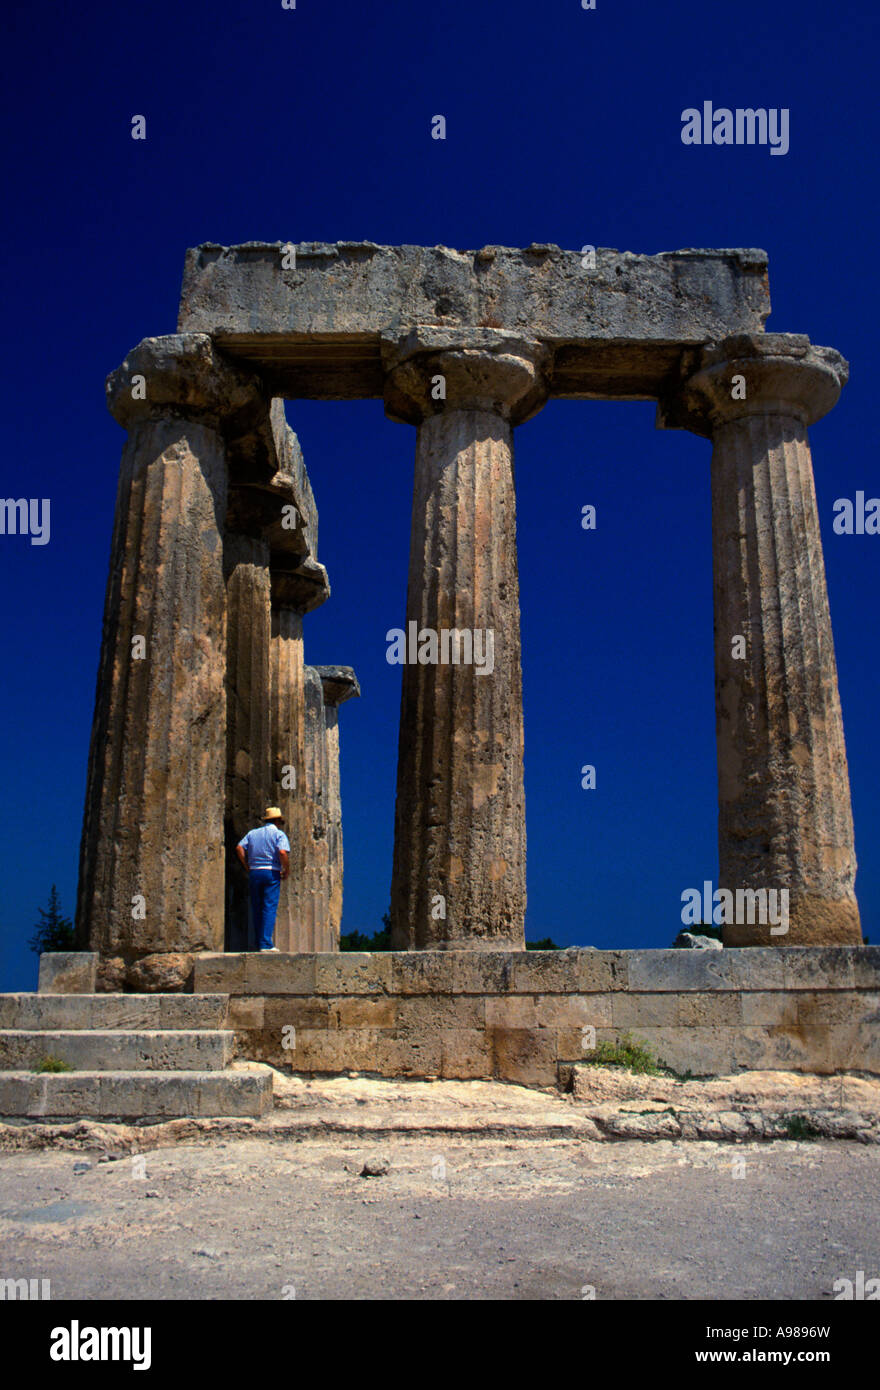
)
(263, 847)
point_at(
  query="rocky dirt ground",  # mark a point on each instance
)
(471, 1190)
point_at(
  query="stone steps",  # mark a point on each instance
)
(126, 1095)
(153, 1056)
(114, 1011)
(111, 1050)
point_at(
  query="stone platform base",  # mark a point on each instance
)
(521, 1016)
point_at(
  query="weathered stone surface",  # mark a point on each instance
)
(459, 848)
(650, 971)
(339, 684)
(117, 1011)
(68, 972)
(482, 972)
(111, 973)
(425, 973)
(161, 973)
(127, 1056)
(692, 941)
(248, 779)
(601, 970)
(769, 1010)
(287, 1010)
(760, 967)
(785, 819)
(271, 974)
(547, 971)
(289, 769)
(644, 1010)
(137, 1093)
(152, 830)
(709, 1051)
(703, 1012)
(247, 1013)
(599, 1102)
(111, 1050)
(527, 1055)
(314, 897)
(318, 330)
(465, 1052)
(829, 967)
(363, 1013)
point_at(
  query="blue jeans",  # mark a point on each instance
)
(264, 888)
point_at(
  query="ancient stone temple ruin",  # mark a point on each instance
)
(205, 709)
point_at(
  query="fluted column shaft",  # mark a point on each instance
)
(288, 743)
(315, 888)
(151, 861)
(339, 684)
(248, 705)
(334, 828)
(785, 818)
(459, 845)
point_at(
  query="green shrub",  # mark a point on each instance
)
(626, 1052)
(800, 1127)
(53, 1064)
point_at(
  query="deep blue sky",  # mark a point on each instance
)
(314, 124)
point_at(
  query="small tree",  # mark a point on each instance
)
(379, 941)
(54, 931)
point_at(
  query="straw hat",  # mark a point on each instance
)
(273, 813)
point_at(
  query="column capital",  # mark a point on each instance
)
(482, 369)
(301, 586)
(340, 684)
(184, 375)
(782, 374)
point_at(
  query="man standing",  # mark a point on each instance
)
(265, 854)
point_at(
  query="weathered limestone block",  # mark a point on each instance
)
(655, 971)
(339, 684)
(68, 972)
(526, 1055)
(151, 871)
(248, 781)
(465, 1053)
(353, 972)
(317, 330)
(547, 971)
(785, 818)
(164, 972)
(459, 848)
(111, 974)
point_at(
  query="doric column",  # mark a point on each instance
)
(785, 819)
(299, 585)
(314, 896)
(288, 746)
(151, 861)
(248, 705)
(459, 846)
(339, 684)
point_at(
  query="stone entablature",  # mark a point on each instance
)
(326, 327)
